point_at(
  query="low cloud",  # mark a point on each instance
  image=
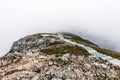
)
(98, 21)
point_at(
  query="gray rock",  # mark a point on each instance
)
(65, 57)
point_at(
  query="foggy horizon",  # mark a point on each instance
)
(97, 21)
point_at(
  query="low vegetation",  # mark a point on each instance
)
(66, 49)
(108, 52)
(77, 38)
(88, 43)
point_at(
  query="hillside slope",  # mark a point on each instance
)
(56, 56)
(78, 39)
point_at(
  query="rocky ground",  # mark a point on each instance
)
(52, 67)
(28, 59)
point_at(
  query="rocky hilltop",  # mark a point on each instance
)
(51, 56)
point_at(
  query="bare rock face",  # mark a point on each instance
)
(45, 57)
(34, 42)
(10, 58)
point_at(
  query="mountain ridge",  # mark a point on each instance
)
(57, 56)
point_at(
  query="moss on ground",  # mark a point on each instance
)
(55, 43)
(66, 49)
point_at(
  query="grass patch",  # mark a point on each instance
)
(66, 49)
(55, 43)
(77, 38)
(108, 52)
(90, 44)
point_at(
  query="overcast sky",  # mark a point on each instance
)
(96, 20)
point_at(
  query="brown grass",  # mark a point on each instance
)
(90, 44)
(66, 49)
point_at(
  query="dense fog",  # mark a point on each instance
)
(95, 20)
